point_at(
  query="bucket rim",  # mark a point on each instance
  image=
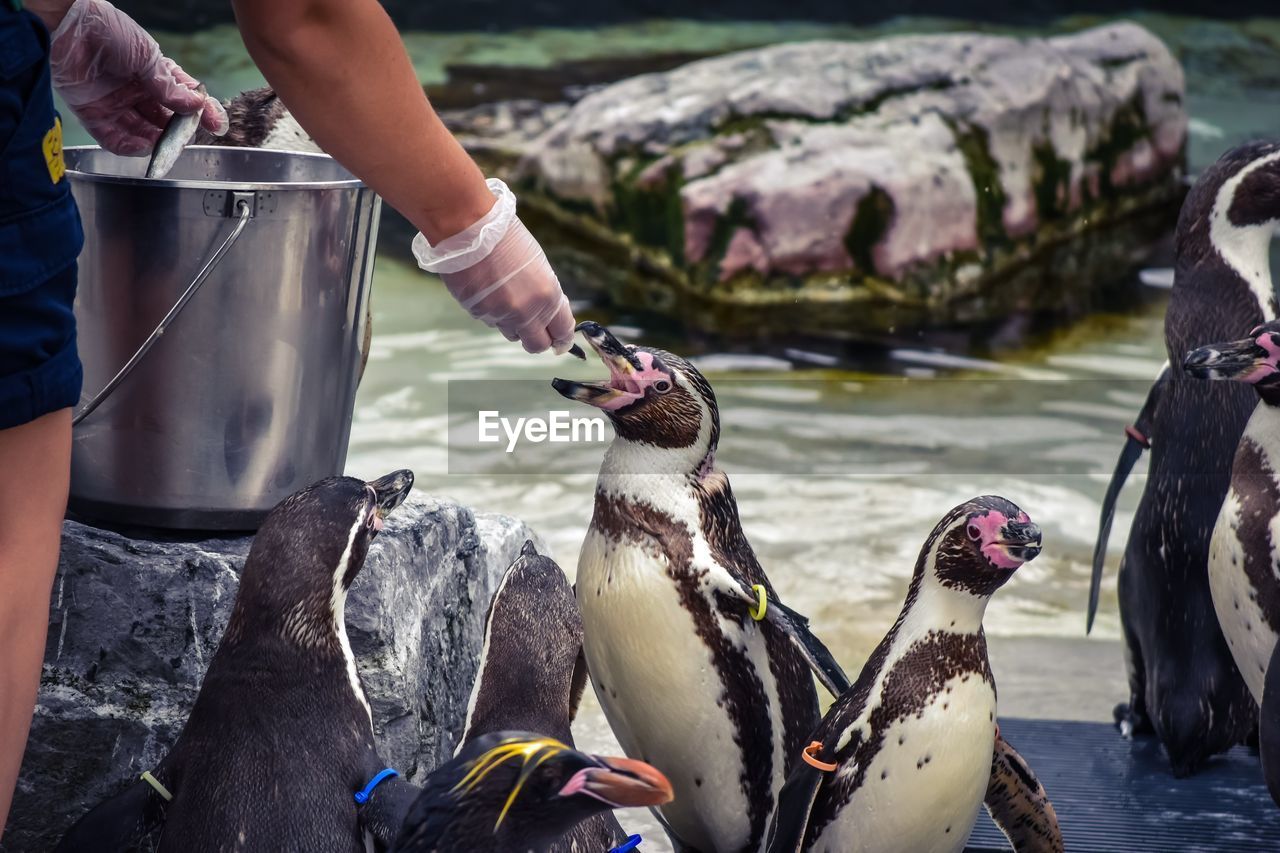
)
(207, 184)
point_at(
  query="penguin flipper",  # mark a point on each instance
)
(1269, 726)
(814, 651)
(385, 812)
(1018, 804)
(791, 818)
(117, 823)
(1137, 439)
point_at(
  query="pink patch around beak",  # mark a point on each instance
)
(1268, 367)
(631, 386)
(990, 527)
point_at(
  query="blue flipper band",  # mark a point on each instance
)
(627, 846)
(362, 797)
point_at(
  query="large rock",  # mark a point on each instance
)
(135, 622)
(852, 186)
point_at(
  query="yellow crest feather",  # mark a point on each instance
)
(532, 753)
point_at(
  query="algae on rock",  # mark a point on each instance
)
(846, 187)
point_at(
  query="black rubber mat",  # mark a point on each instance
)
(1117, 795)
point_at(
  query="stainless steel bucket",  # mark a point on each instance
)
(222, 310)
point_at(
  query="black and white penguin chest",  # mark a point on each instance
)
(1244, 553)
(920, 732)
(688, 681)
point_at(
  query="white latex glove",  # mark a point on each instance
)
(499, 273)
(114, 78)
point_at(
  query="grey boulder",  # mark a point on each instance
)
(849, 186)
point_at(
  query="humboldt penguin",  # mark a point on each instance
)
(700, 669)
(281, 734)
(1244, 550)
(903, 760)
(532, 674)
(257, 118)
(511, 792)
(1183, 682)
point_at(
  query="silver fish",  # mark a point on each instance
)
(177, 134)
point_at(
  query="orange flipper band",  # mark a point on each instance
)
(811, 759)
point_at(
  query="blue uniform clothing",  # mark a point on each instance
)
(40, 233)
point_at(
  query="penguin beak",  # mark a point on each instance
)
(621, 783)
(1242, 360)
(390, 491)
(622, 387)
(1020, 541)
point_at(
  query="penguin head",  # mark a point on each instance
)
(1255, 359)
(518, 790)
(1254, 198)
(532, 671)
(978, 546)
(1242, 187)
(307, 553)
(1227, 220)
(653, 397)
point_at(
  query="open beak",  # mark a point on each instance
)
(621, 783)
(1020, 541)
(390, 491)
(622, 387)
(1241, 360)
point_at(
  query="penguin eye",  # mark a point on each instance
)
(974, 533)
(662, 386)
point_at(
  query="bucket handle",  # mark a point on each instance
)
(245, 210)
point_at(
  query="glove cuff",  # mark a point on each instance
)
(472, 245)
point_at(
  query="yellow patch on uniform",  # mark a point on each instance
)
(53, 151)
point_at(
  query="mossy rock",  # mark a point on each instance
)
(838, 188)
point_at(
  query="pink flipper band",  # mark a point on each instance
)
(1132, 432)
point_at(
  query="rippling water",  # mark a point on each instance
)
(839, 476)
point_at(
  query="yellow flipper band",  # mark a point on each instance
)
(155, 783)
(762, 602)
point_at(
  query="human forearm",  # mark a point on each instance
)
(342, 70)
